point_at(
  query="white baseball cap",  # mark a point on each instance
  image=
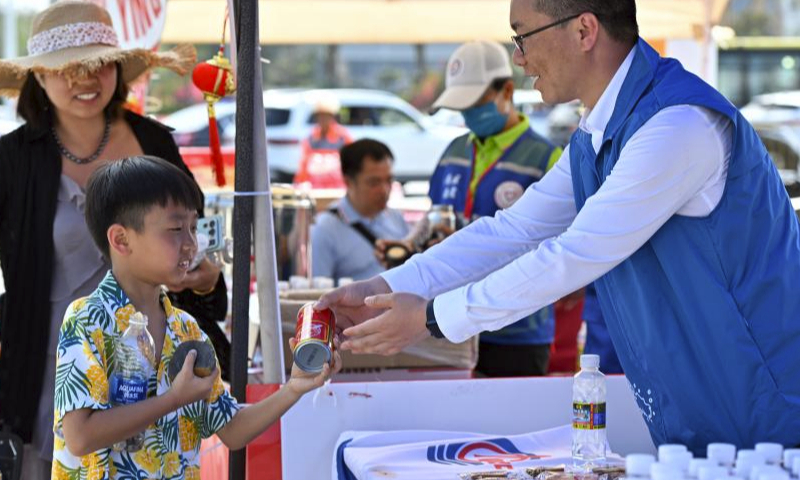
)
(471, 69)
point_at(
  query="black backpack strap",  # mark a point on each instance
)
(357, 226)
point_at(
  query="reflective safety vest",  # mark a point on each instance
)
(705, 316)
(320, 164)
(503, 183)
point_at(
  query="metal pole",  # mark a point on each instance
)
(246, 21)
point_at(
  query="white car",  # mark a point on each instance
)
(413, 138)
(7, 126)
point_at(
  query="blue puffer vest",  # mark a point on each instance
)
(705, 316)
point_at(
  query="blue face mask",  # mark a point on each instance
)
(484, 120)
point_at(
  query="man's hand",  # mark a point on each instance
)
(382, 244)
(187, 387)
(202, 279)
(398, 327)
(348, 302)
(302, 382)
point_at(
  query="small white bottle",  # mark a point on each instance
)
(588, 414)
(758, 470)
(637, 466)
(796, 467)
(779, 475)
(680, 459)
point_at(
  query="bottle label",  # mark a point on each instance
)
(589, 416)
(125, 391)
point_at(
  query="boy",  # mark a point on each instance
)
(142, 213)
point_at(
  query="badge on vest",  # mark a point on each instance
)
(507, 193)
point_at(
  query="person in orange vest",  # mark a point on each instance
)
(319, 162)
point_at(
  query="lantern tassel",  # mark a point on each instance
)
(217, 164)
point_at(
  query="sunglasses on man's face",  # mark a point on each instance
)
(519, 40)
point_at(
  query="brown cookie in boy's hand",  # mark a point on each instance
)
(204, 363)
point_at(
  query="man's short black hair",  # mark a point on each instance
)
(123, 191)
(37, 110)
(352, 156)
(618, 17)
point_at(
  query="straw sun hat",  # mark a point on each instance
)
(76, 37)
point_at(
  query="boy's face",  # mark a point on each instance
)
(163, 250)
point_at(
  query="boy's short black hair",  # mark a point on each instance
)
(125, 190)
(352, 156)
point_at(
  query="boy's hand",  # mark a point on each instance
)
(302, 382)
(188, 388)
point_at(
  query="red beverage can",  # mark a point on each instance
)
(314, 336)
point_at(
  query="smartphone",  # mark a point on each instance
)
(209, 238)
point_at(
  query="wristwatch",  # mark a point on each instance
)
(430, 321)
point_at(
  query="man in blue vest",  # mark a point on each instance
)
(486, 170)
(667, 200)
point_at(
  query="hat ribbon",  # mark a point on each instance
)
(72, 35)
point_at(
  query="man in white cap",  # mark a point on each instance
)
(486, 170)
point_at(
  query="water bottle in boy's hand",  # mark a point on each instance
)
(134, 360)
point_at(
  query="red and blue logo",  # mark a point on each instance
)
(498, 452)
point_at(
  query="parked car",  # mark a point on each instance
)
(778, 108)
(7, 126)
(415, 140)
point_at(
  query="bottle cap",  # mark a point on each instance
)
(788, 457)
(760, 471)
(669, 447)
(639, 464)
(696, 463)
(711, 472)
(774, 476)
(590, 361)
(663, 471)
(796, 466)
(772, 452)
(678, 459)
(721, 453)
(138, 318)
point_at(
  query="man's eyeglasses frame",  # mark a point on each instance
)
(519, 40)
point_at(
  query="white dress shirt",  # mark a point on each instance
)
(500, 269)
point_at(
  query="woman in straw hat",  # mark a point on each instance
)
(71, 89)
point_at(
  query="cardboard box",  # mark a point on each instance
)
(429, 353)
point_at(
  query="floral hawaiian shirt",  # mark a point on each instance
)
(84, 366)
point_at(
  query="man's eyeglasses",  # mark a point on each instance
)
(520, 39)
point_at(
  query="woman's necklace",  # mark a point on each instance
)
(91, 158)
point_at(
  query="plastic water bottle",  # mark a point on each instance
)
(133, 366)
(589, 414)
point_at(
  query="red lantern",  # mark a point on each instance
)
(214, 78)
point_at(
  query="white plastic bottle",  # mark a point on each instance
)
(133, 365)
(589, 414)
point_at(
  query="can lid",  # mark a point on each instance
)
(311, 356)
